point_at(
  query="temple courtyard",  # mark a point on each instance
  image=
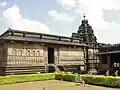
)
(51, 85)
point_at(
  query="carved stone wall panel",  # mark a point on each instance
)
(20, 53)
(71, 55)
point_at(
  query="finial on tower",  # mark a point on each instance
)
(84, 21)
(84, 16)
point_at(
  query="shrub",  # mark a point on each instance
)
(26, 78)
(66, 76)
(70, 77)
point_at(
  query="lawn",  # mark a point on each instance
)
(51, 85)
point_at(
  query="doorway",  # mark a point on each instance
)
(50, 55)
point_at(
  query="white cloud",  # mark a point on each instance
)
(94, 12)
(68, 4)
(13, 18)
(60, 16)
(3, 3)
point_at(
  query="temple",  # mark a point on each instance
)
(30, 52)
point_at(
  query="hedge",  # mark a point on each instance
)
(66, 77)
(26, 78)
(89, 79)
(109, 81)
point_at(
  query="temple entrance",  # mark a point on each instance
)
(50, 55)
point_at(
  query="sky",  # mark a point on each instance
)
(62, 17)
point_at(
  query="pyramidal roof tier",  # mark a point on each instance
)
(85, 32)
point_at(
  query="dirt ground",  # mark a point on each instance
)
(51, 85)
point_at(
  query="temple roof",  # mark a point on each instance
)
(18, 35)
(85, 32)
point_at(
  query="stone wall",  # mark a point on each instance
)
(25, 54)
(33, 57)
(24, 58)
(71, 55)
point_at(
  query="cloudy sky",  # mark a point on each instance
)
(62, 17)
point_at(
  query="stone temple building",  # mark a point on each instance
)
(30, 52)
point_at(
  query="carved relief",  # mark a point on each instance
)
(25, 52)
(71, 55)
(25, 55)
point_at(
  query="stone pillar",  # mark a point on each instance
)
(56, 55)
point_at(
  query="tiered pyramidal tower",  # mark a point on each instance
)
(86, 32)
